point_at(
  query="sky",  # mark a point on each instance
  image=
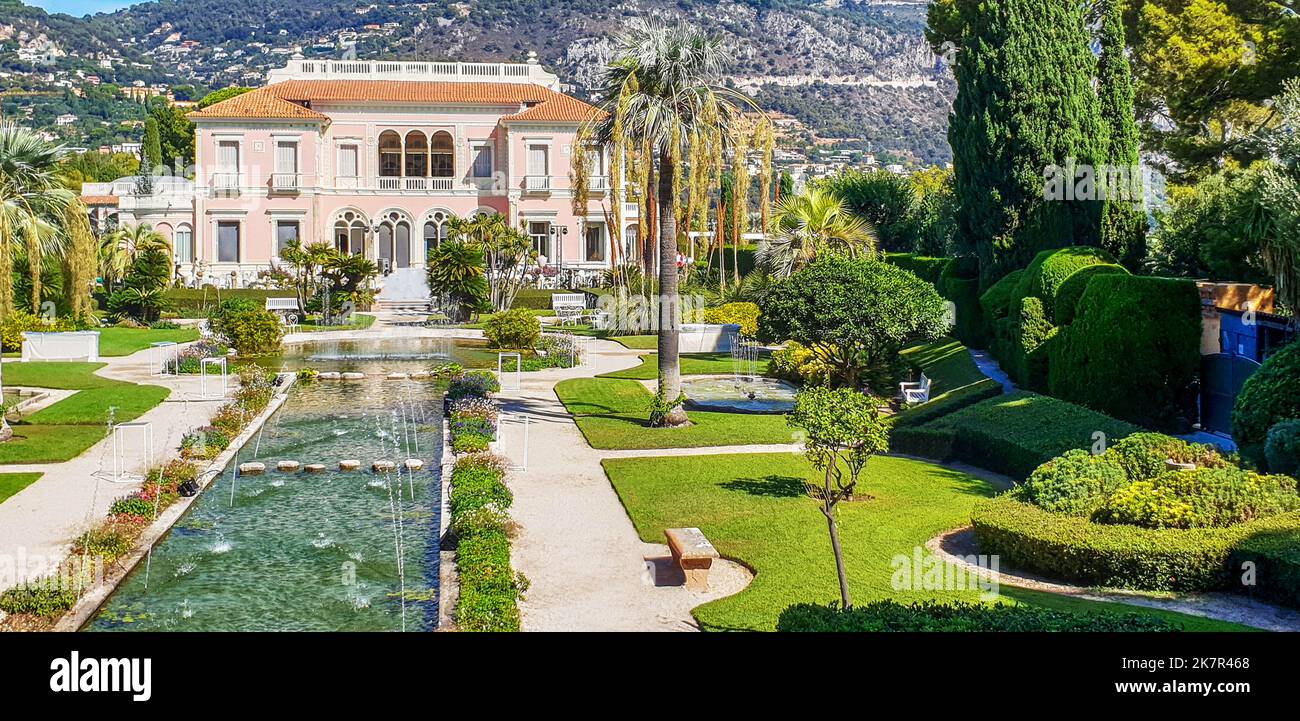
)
(80, 7)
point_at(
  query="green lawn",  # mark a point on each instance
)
(753, 507)
(693, 364)
(125, 341)
(635, 342)
(946, 362)
(67, 428)
(11, 483)
(612, 414)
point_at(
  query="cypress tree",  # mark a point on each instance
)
(150, 156)
(1024, 103)
(1123, 226)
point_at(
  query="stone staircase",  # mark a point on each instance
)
(405, 292)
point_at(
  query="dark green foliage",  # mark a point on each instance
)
(1123, 224)
(959, 282)
(199, 302)
(1024, 103)
(1032, 333)
(1073, 483)
(477, 486)
(1133, 350)
(1269, 396)
(535, 298)
(1011, 434)
(1069, 292)
(1074, 549)
(152, 146)
(456, 271)
(958, 616)
(924, 267)
(1275, 556)
(856, 314)
(1044, 276)
(1283, 448)
(944, 403)
(995, 302)
(885, 199)
(47, 598)
(150, 270)
(1215, 230)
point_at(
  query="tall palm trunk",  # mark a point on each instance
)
(670, 312)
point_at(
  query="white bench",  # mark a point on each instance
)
(568, 300)
(283, 305)
(918, 392)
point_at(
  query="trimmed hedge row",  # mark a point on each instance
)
(535, 298)
(197, 302)
(945, 403)
(489, 587)
(1276, 558)
(1074, 549)
(1011, 434)
(924, 267)
(964, 617)
(1069, 292)
(960, 284)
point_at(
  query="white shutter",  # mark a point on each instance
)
(348, 161)
(537, 160)
(228, 157)
(286, 158)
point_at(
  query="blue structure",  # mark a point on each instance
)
(1252, 336)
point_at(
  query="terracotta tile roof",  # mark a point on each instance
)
(281, 100)
(256, 104)
(99, 200)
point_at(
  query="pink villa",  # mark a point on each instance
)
(374, 157)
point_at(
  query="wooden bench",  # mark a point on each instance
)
(918, 392)
(693, 553)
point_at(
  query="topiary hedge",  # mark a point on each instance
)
(1051, 268)
(1133, 350)
(1074, 549)
(1069, 292)
(1283, 448)
(880, 616)
(924, 267)
(1274, 554)
(1269, 396)
(959, 282)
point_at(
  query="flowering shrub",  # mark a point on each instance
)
(516, 329)
(190, 359)
(481, 384)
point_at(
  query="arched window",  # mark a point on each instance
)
(395, 240)
(435, 230)
(417, 155)
(183, 244)
(390, 154)
(443, 161)
(350, 233)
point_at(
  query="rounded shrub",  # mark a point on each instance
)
(1073, 483)
(1077, 550)
(744, 315)
(1143, 503)
(1282, 449)
(516, 328)
(1071, 290)
(1268, 397)
(1143, 455)
(1051, 268)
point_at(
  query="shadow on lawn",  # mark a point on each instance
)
(771, 486)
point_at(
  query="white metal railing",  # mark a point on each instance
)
(598, 183)
(284, 181)
(395, 182)
(303, 69)
(225, 181)
(537, 182)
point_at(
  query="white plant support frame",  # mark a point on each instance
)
(206, 388)
(519, 367)
(160, 353)
(80, 345)
(523, 419)
(120, 472)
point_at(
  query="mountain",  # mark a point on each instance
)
(849, 69)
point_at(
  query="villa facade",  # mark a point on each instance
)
(375, 157)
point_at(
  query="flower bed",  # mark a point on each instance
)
(489, 587)
(471, 414)
(43, 600)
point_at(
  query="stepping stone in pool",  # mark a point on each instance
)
(421, 375)
(381, 466)
(349, 465)
(251, 469)
(330, 376)
(288, 466)
(413, 464)
(398, 376)
(351, 376)
(314, 468)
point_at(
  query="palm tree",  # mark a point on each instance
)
(118, 249)
(810, 223)
(456, 271)
(661, 98)
(32, 201)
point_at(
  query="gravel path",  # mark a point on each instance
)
(38, 524)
